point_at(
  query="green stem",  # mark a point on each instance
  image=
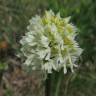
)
(48, 86)
(58, 84)
(52, 83)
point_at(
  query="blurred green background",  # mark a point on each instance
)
(14, 17)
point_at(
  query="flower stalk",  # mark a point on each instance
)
(58, 84)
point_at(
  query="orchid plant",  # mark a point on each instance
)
(50, 45)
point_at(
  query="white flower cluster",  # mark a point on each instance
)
(50, 43)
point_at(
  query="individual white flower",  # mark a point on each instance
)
(50, 43)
